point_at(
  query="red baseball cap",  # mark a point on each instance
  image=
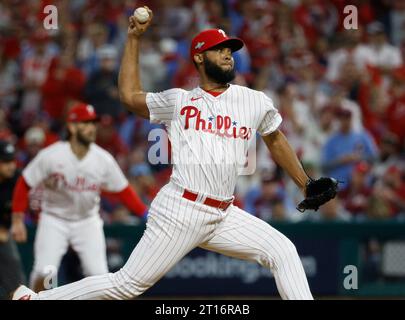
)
(81, 112)
(210, 38)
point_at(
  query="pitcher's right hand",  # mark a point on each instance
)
(136, 29)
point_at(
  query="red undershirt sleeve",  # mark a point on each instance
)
(130, 199)
(20, 196)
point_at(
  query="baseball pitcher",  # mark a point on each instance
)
(208, 127)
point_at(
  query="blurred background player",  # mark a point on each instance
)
(73, 173)
(11, 273)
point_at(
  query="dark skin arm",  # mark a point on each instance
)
(286, 158)
(129, 82)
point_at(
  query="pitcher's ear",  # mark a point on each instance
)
(198, 58)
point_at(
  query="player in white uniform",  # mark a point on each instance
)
(74, 173)
(195, 208)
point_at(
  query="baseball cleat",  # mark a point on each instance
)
(23, 293)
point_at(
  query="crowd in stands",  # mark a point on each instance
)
(341, 92)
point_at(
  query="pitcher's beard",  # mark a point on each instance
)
(214, 72)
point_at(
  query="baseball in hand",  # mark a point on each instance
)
(141, 14)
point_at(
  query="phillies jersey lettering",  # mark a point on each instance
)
(210, 135)
(58, 181)
(219, 125)
(71, 186)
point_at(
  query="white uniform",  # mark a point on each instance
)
(70, 205)
(201, 128)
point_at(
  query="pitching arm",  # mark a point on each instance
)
(129, 83)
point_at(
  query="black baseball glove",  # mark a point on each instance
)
(318, 192)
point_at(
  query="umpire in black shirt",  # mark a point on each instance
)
(11, 274)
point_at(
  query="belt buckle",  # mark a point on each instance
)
(224, 205)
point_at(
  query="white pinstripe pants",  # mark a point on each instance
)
(176, 226)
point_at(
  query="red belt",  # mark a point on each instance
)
(222, 205)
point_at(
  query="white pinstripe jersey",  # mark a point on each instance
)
(73, 186)
(210, 135)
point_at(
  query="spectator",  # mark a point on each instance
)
(95, 37)
(357, 193)
(353, 52)
(9, 71)
(34, 73)
(395, 19)
(34, 141)
(316, 18)
(296, 115)
(64, 83)
(109, 139)
(388, 199)
(346, 148)
(268, 201)
(395, 111)
(327, 125)
(176, 18)
(384, 55)
(256, 33)
(5, 131)
(153, 70)
(101, 89)
(390, 155)
(339, 99)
